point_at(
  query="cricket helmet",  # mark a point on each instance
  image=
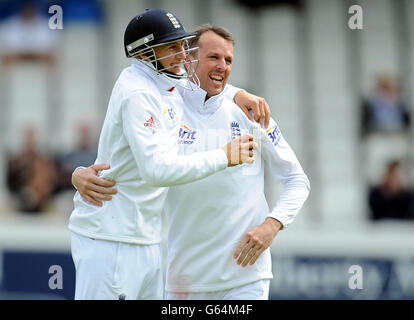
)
(156, 27)
(153, 27)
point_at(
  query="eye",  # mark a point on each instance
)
(229, 61)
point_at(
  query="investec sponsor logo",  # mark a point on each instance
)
(186, 135)
(170, 111)
(274, 134)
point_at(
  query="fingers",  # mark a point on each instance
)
(247, 113)
(257, 112)
(240, 247)
(246, 137)
(252, 253)
(249, 251)
(256, 255)
(252, 246)
(99, 167)
(91, 187)
(99, 196)
(102, 190)
(247, 153)
(91, 200)
(268, 114)
(253, 145)
(101, 182)
(262, 112)
(238, 150)
(246, 248)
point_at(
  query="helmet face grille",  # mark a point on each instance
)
(147, 53)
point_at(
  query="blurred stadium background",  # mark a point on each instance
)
(316, 74)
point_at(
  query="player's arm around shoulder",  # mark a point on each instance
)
(254, 107)
(152, 143)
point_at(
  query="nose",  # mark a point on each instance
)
(221, 64)
(181, 53)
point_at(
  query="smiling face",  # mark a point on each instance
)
(214, 66)
(173, 63)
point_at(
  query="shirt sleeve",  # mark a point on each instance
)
(154, 146)
(285, 168)
(231, 91)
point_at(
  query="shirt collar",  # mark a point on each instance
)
(163, 81)
(196, 101)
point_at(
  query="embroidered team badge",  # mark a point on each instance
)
(235, 129)
(173, 20)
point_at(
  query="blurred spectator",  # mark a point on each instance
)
(83, 155)
(385, 111)
(391, 199)
(31, 176)
(27, 37)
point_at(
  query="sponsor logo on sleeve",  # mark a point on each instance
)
(186, 135)
(150, 123)
(274, 134)
(171, 112)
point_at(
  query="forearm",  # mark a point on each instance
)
(166, 170)
(292, 198)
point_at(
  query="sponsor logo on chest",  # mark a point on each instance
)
(186, 135)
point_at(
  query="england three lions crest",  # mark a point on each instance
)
(235, 129)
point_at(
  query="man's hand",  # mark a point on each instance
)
(91, 187)
(240, 150)
(258, 105)
(256, 241)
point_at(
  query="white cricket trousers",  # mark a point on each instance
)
(258, 290)
(108, 270)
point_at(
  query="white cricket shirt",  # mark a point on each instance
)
(208, 218)
(139, 142)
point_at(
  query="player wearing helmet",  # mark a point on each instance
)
(116, 247)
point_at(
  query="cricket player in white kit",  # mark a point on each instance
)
(116, 247)
(206, 234)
